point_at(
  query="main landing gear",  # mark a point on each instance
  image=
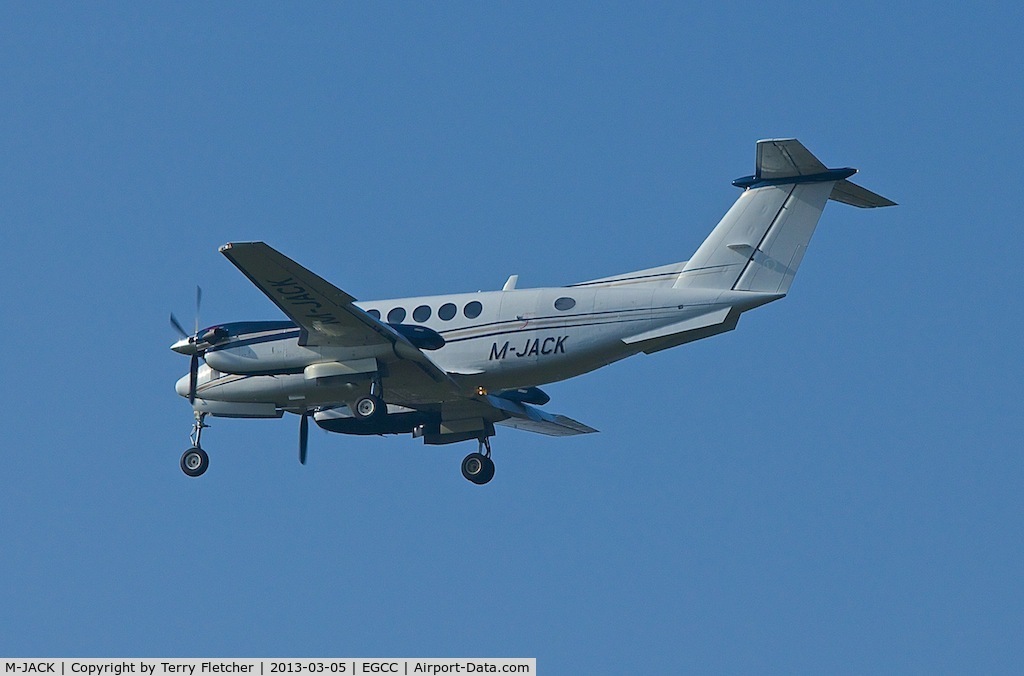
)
(478, 467)
(372, 405)
(195, 461)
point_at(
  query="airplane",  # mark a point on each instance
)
(450, 368)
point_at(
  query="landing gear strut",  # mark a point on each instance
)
(195, 461)
(478, 467)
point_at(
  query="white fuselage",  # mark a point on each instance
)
(493, 340)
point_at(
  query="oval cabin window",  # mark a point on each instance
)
(446, 311)
(565, 303)
(421, 314)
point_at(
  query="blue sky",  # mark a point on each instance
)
(832, 488)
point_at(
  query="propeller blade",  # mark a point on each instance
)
(199, 301)
(193, 375)
(303, 437)
(177, 325)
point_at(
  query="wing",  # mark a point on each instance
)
(327, 317)
(530, 419)
(325, 314)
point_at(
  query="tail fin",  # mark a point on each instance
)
(759, 243)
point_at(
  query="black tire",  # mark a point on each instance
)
(194, 461)
(369, 407)
(478, 468)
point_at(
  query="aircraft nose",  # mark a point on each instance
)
(181, 387)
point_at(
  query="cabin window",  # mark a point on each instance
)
(446, 311)
(397, 315)
(421, 314)
(374, 313)
(473, 309)
(565, 303)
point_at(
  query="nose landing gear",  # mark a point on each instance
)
(478, 467)
(195, 461)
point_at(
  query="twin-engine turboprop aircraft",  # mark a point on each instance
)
(450, 368)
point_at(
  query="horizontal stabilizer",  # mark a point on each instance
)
(785, 158)
(854, 195)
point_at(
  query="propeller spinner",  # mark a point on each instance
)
(189, 344)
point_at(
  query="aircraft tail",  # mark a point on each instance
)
(759, 243)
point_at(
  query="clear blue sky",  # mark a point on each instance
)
(835, 487)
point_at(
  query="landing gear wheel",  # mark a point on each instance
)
(478, 468)
(369, 407)
(194, 461)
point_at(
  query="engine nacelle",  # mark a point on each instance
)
(421, 337)
(280, 357)
(526, 395)
(230, 409)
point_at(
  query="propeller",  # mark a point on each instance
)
(193, 367)
(193, 376)
(303, 436)
(177, 326)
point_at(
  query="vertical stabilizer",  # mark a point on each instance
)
(774, 261)
(759, 243)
